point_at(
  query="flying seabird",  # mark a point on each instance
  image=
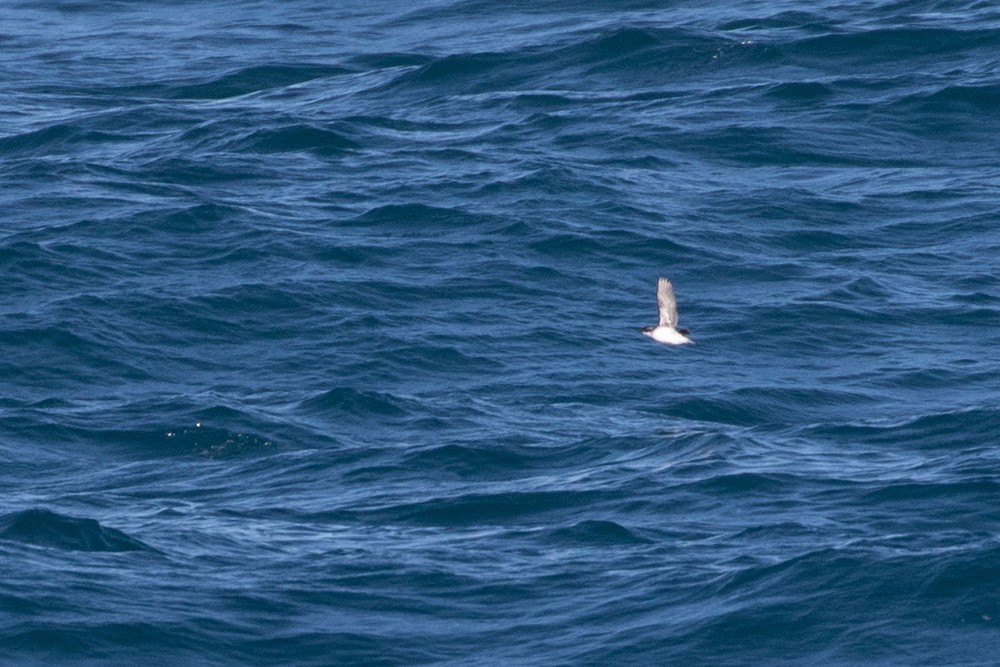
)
(666, 331)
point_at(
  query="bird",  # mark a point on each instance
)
(666, 331)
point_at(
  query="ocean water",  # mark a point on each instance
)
(319, 333)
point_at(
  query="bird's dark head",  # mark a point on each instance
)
(646, 330)
(684, 331)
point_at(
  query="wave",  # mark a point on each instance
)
(205, 442)
(38, 356)
(637, 51)
(49, 529)
(957, 430)
(904, 44)
(296, 138)
(828, 586)
(593, 533)
(256, 78)
(956, 102)
(352, 403)
(41, 141)
(486, 509)
(141, 429)
(498, 459)
(803, 92)
(766, 405)
(414, 217)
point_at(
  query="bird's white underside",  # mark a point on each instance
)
(667, 336)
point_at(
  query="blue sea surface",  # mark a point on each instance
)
(319, 333)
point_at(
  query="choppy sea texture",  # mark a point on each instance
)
(319, 333)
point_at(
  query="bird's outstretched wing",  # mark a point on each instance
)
(666, 302)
